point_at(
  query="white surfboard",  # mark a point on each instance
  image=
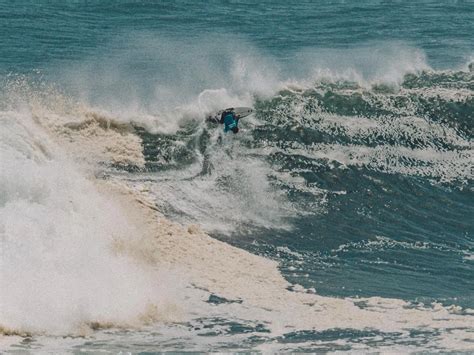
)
(240, 112)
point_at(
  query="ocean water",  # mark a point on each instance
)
(352, 183)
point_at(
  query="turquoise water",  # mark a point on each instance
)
(354, 174)
(38, 35)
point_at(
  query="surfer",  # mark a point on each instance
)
(230, 117)
(230, 121)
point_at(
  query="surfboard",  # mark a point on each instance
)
(240, 112)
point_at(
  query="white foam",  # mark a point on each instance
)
(419, 146)
(233, 195)
(58, 267)
(469, 256)
(373, 63)
(444, 166)
(206, 74)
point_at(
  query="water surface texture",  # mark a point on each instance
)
(352, 182)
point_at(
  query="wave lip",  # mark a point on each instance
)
(368, 65)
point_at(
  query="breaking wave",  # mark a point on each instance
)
(86, 177)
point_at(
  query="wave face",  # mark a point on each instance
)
(352, 184)
(352, 179)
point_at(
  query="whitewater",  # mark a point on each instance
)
(338, 219)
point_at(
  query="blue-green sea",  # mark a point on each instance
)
(354, 175)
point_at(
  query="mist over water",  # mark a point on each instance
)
(352, 180)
